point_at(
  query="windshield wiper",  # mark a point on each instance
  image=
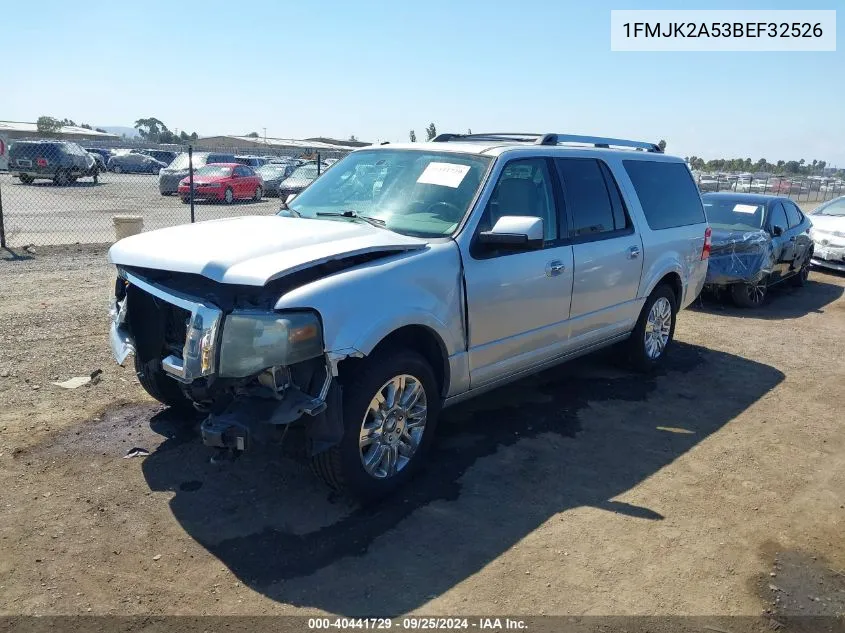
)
(350, 213)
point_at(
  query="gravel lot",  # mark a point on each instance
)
(43, 213)
(716, 487)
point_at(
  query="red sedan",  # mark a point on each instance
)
(224, 182)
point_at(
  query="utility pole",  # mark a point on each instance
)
(265, 135)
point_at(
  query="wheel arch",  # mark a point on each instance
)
(673, 280)
(417, 337)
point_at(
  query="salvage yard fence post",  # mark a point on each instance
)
(191, 179)
(2, 226)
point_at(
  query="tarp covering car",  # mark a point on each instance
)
(740, 257)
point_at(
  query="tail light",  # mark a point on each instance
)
(708, 243)
(42, 162)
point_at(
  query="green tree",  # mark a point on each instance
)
(99, 129)
(430, 132)
(47, 124)
(250, 135)
(183, 136)
(662, 145)
(150, 129)
(353, 138)
(194, 136)
(413, 136)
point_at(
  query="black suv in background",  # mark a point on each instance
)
(59, 161)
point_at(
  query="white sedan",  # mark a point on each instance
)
(828, 234)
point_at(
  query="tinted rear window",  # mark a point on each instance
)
(667, 193)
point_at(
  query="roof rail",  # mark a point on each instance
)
(550, 139)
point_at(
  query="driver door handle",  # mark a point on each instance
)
(554, 268)
(633, 252)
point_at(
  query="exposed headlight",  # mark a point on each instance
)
(253, 341)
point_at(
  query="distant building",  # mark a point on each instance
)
(257, 144)
(14, 130)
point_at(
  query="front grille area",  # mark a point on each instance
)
(158, 328)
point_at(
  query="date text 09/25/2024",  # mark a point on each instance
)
(418, 624)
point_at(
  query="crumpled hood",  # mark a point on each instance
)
(828, 223)
(255, 249)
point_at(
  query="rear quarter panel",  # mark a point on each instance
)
(673, 250)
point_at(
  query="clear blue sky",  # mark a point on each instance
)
(379, 69)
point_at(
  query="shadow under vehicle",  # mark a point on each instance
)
(502, 465)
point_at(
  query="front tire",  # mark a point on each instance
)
(257, 196)
(229, 196)
(117, 169)
(654, 331)
(27, 179)
(161, 387)
(61, 178)
(746, 295)
(390, 410)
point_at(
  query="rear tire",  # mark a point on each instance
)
(749, 295)
(258, 193)
(27, 179)
(654, 331)
(229, 196)
(161, 387)
(117, 169)
(342, 467)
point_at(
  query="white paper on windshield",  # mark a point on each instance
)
(745, 208)
(443, 174)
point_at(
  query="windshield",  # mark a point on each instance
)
(306, 172)
(734, 213)
(214, 171)
(271, 171)
(420, 193)
(834, 207)
(181, 161)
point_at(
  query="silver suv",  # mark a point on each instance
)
(408, 278)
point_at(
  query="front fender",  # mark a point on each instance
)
(362, 305)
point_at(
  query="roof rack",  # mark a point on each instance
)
(549, 139)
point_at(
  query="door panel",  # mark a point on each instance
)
(518, 311)
(518, 301)
(784, 249)
(604, 294)
(607, 254)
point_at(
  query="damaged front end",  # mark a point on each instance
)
(250, 368)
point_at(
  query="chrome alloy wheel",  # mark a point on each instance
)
(393, 426)
(658, 327)
(756, 292)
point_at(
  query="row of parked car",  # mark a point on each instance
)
(65, 162)
(226, 177)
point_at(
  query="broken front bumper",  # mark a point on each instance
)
(199, 348)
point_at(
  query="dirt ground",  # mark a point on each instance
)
(715, 487)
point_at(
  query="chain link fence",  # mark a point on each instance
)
(58, 192)
(798, 188)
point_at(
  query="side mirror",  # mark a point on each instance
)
(518, 231)
(290, 198)
(777, 230)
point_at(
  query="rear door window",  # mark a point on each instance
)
(592, 199)
(792, 213)
(667, 193)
